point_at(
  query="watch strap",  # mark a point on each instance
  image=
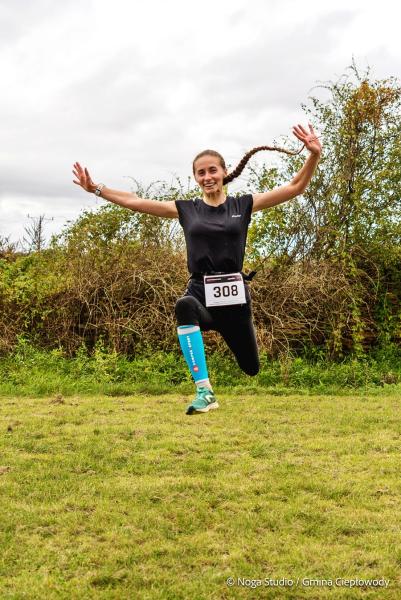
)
(99, 188)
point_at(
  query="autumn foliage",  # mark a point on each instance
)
(329, 276)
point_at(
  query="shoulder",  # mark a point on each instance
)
(244, 202)
(245, 198)
(185, 208)
(186, 204)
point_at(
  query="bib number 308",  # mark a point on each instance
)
(223, 290)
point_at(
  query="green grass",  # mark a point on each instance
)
(129, 498)
(32, 372)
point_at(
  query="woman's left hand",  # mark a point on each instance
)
(309, 139)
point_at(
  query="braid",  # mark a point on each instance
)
(241, 165)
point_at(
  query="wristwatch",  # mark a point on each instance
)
(99, 188)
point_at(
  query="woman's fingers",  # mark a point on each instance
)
(301, 129)
(298, 134)
(81, 175)
(89, 178)
(77, 170)
(308, 138)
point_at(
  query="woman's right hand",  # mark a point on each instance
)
(83, 178)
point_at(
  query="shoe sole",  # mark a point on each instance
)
(193, 411)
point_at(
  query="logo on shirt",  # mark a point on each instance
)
(233, 216)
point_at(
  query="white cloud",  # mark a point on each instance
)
(139, 88)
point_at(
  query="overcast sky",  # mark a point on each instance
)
(136, 89)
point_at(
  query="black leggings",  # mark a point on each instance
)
(234, 323)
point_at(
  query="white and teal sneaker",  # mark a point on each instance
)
(205, 400)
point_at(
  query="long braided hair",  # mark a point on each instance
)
(241, 165)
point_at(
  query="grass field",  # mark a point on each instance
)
(129, 498)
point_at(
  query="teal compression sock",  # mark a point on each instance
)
(191, 342)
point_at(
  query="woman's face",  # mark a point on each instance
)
(209, 174)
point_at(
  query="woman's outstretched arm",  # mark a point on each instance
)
(126, 199)
(300, 181)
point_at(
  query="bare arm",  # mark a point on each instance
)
(125, 199)
(300, 181)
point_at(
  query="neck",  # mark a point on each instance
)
(214, 198)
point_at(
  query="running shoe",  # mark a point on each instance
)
(205, 400)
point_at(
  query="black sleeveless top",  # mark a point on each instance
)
(215, 235)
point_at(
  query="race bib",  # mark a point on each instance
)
(223, 290)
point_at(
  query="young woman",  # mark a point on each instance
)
(215, 229)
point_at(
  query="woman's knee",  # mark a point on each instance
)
(249, 363)
(251, 369)
(186, 311)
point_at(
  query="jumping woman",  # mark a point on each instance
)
(215, 229)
